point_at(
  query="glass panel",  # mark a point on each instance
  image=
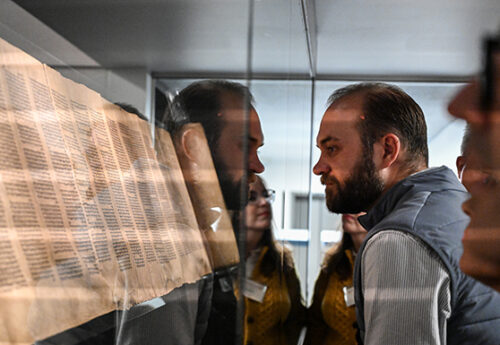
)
(277, 253)
(284, 108)
(137, 205)
(105, 231)
(209, 122)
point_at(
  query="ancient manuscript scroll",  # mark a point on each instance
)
(88, 222)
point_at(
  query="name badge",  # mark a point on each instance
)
(349, 295)
(254, 290)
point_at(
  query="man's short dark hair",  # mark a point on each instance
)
(201, 102)
(388, 109)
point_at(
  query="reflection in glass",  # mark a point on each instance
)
(274, 313)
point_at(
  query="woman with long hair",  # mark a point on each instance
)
(332, 315)
(274, 311)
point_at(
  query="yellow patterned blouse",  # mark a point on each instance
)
(330, 321)
(279, 318)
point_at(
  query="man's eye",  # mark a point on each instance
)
(330, 149)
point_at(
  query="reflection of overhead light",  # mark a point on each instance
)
(294, 235)
(215, 224)
(302, 235)
(329, 236)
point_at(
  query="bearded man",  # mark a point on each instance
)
(409, 288)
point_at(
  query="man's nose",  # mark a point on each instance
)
(254, 164)
(320, 168)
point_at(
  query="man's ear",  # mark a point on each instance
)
(191, 141)
(389, 149)
(460, 166)
(194, 154)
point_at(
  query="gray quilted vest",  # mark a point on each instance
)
(428, 205)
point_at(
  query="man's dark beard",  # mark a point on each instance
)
(360, 190)
(231, 190)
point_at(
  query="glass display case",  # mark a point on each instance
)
(156, 163)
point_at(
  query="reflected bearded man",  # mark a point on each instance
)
(220, 107)
(409, 288)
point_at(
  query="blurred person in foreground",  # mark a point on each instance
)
(332, 314)
(409, 288)
(274, 312)
(479, 104)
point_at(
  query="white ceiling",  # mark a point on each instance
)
(180, 36)
(354, 37)
(403, 37)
